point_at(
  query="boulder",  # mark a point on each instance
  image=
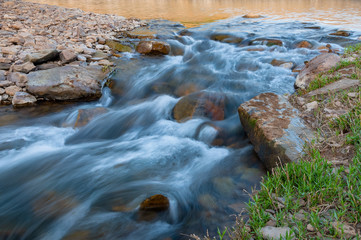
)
(275, 129)
(12, 90)
(117, 46)
(67, 56)
(321, 63)
(273, 233)
(155, 203)
(267, 41)
(67, 83)
(24, 68)
(200, 104)
(20, 79)
(42, 56)
(153, 48)
(21, 99)
(86, 115)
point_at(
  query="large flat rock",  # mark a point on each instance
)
(274, 128)
(334, 87)
(67, 83)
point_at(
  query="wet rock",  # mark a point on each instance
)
(5, 66)
(226, 38)
(250, 15)
(342, 33)
(321, 63)
(344, 230)
(86, 115)
(20, 79)
(141, 33)
(267, 41)
(22, 99)
(342, 41)
(304, 44)
(42, 56)
(67, 56)
(153, 48)
(275, 129)
(335, 87)
(187, 88)
(207, 201)
(67, 83)
(53, 205)
(117, 46)
(155, 203)
(24, 68)
(203, 104)
(224, 185)
(12, 90)
(281, 63)
(273, 233)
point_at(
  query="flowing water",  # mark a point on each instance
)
(61, 182)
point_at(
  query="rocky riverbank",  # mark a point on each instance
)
(54, 53)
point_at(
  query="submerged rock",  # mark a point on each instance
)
(267, 41)
(86, 115)
(275, 129)
(226, 38)
(321, 63)
(21, 99)
(153, 48)
(201, 104)
(67, 83)
(155, 203)
(117, 46)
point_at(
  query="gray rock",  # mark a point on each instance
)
(43, 56)
(24, 68)
(66, 83)
(344, 230)
(67, 56)
(312, 106)
(335, 87)
(275, 129)
(46, 66)
(2, 91)
(4, 97)
(5, 66)
(2, 75)
(5, 83)
(321, 63)
(20, 79)
(275, 233)
(21, 99)
(81, 58)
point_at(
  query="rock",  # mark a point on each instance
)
(43, 56)
(153, 48)
(207, 201)
(46, 66)
(141, 33)
(226, 38)
(4, 97)
(21, 99)
(310, 228)
(2, 75)
(155, 203)
(342, 41)
(352, 94)
(13, 50)
(321, 63)
(287, 65)
(2, 91)
(201, 104)
(67, 56)
(86, 115)
(5, 83)
(334, 87)
(267, 41)
(224, 185)
(24, 68)
(342, 33)
(304, 44)
(105, 62)
(344, 230)
(275, 129)
(312, 106)
(283, 64)
(273, 233)
(81, 58)
(271, 223)
(5, 66)
(16, 40)
(20, 79)
(12, 90)
(116, 46)
(67, 83)
(250, 15)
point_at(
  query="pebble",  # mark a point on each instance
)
(352, 95)
(270, 233)
(310, 228)
(311, 106)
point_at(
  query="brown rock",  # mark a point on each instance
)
(13, 50)
(24, 68)
(153, 48)
(155, 203)
(86, 115)
(67, 56)
(20, 79)
(321, 63)
(304, 44)
(342, 33)
(226, 38)
(250, 15)
(43, 56)
(12, 90)
(275, 129)
(201, 104)
(117, 46)
(22, 99)
(267, 41)
(17, 40)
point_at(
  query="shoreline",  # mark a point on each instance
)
(45, 37)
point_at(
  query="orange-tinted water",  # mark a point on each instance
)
(196, 12)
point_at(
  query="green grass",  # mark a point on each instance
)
(353, 49)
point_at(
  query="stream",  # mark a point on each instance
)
(58, 181)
